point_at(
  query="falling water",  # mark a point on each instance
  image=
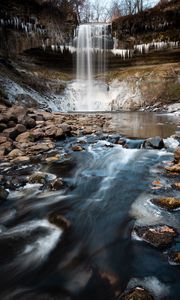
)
(92, 43)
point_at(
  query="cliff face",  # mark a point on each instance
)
(161, 23)
(34, 23)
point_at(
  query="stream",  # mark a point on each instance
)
(107, 190)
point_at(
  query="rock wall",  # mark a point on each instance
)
(34, 23)
(161, 23)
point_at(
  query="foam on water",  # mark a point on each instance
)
(38, 250)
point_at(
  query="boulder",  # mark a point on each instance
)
(157, 235)
(169, 203)
(3, 194)
(59, 220)
(136, 293)
(154, 143)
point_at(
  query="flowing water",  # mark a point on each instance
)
(107, 190)
(92, 42)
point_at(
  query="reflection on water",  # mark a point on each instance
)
(144, 124)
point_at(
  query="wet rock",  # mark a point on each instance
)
(57, 184)
(174, 169)
(157, 235)
(38, 177)
(154, 143)
(3, 194)
(174, 257)
(177, 155)
(59, 220)
(137, 293)
(169, 203)
(53, 158)
(77, 148)
(21, 159)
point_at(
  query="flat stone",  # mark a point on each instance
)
(23, 137)
(15, 153)
(53, 158)
(21, 159)
(157, 235)
(137, 293)
(169, 203)
(41, 147)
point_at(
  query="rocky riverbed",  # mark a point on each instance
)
(73, 192)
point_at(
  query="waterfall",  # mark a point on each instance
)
(92, 42)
